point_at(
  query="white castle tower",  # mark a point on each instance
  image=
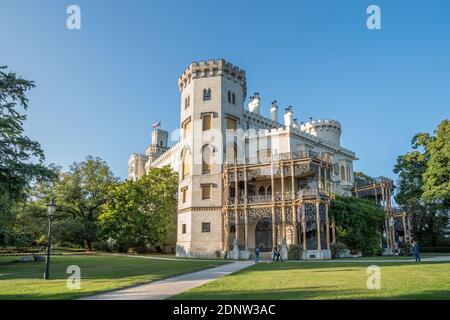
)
(212, 104)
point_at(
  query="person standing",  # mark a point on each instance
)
(280, 256)
(416, 251)
(257, 255)
(275, 254)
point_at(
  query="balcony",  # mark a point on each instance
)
(304, 154)
(288, 196)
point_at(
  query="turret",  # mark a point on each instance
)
(328, 130)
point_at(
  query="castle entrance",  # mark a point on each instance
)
(263, 235)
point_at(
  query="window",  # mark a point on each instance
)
(342, 173)
(206, 122)
(187, 102)
(229, 96)
(185, 167)
(206, 191)
(348, 173)
(183, 228)
(206, 159)
(231, 124)
(206, 227)
(186, 127)
(269, 190)
(261, 191)
(233, 98)
(184, 194)
(206, 94)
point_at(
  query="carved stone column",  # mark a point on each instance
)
(319, 247)
(303, 227)
(272, 183)
(327, 226)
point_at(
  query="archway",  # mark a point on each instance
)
(263, 235)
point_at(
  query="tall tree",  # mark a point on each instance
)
(21, 159)
(423, 184)
(82, 192)
(142, 212)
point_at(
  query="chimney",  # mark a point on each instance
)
(255, 101)
(274, 111)
(288, 117)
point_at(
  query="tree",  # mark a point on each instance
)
(436, 178)
(142, 212)
(424, 182)
(21, 159)
(358, 223)
(81, 193)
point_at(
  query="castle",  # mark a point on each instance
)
(247, 180)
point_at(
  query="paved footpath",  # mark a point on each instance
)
(163, 289)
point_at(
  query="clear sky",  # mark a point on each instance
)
(99, 89)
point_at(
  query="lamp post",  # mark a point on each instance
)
(51, 208)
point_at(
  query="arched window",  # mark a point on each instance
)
(206, 94)
(342, 173)
(207, 151)
(269, 190)
(229, 96)
(185, 163)
(233, 98)
(235, 153)
(348, 174)
(262, 191)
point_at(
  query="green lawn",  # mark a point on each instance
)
(98, 273)
(422, 255)
(293, 280)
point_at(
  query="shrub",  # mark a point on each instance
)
(101, 246)
(293, 252)
(337, 248)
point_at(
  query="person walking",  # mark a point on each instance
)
(275, 254)
(257, 255)
(416, 251)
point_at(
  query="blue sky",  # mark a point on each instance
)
(99, 89)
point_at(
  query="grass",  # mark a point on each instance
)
(422, 255)
(292, 280)
(98, 273)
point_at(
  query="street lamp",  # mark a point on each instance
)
(51, 208)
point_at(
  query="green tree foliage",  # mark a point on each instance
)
(81, 194)
(423, 184)
(21, 159)
(436, 186)
(358, 223)
(142, 212)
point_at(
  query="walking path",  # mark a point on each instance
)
(163, 289)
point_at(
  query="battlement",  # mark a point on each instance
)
(212, 68)
(325, 124)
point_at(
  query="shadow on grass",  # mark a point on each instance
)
(313, 293)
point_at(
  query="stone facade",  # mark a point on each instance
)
(229, 157)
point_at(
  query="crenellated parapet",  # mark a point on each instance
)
(212, 68)
(328, 130)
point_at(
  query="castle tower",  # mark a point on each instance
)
(212, 97)
(136, 166)
(158, 144)
(328, 130)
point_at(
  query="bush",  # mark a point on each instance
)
(293, 252)
(101, 246)
(378, 251)
(337, 248)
